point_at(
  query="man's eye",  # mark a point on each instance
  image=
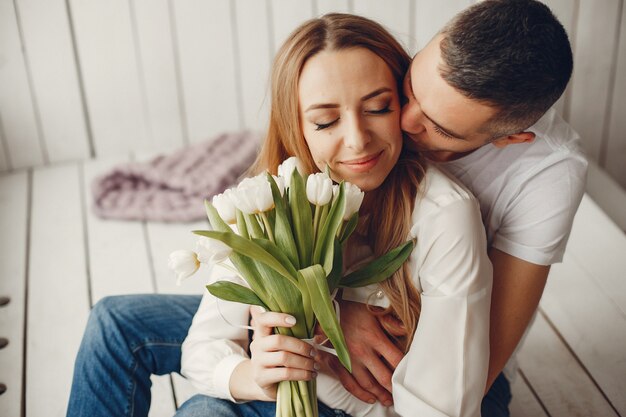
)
(322, 126)
(438, 130)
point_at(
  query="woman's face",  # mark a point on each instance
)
(350, 115)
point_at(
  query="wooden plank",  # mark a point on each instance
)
(58, 299)
(106, 51)
(206, 59)
(17, 111)
(286, 16)
(594, 46)
(330, 6)
(14, 194)
(562, 385)
(120, 263)
(118, 256)
(565, 10)
(599, 246)
(153, 24)
(254, 53)
(48, 40)
(429, 17)
(524, 403)
(592, 325)
(396, 19)
(616, 143)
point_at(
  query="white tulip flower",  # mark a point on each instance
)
(319, 189)
(280, 183)
(212, 251)
(225, 207)
(184, 263)
(354, 198)
(253, 195)
(285, 170)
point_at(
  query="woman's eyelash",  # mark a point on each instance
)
(441, 132)
(384, 110)
(321, 126)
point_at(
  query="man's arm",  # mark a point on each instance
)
(517, 289)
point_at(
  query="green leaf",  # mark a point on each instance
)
(335, 275)
(324, 246)
(241, 226)
(214, 218)
(254, 228)
(301, 217)
(380, 268)
(282, 227)
(230, 291)
(277, 253)
(249, 248)
(315, 279)
(349, 227)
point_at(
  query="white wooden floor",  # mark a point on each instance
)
(57, 260)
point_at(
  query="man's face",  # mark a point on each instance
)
(443, 123)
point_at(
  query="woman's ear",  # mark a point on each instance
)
(522, 137)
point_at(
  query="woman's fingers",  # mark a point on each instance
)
(278, 342)
(272, 376)
(264, 321)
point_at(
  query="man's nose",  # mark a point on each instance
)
(412, 118)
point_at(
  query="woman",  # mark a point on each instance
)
(336, 103)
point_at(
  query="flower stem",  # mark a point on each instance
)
(268, 229)
(316, 220)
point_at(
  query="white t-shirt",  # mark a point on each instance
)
(528, 194)
(445, 370)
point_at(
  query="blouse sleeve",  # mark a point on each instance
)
(444, 373)
(215, 346)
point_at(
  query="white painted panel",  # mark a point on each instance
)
(17, 110)
(607, 194)
(255, 55)
(48, 40)
(564, 10)
(561, 384)
(158, 66)
(286, 16)
(4, 157)
(107, 55)
(595, 41)
(205, 45)
(165, 238)
(394, 16)
(330, 6)
(118, 255)
(162, 404)
(592, 325)
(524, 403)
(430, 17)
(58, 302)
(14, 191)
(616, 146)
(599, 246)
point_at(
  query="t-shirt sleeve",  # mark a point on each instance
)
(539, 216)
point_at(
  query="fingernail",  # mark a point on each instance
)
(290, 320)
(263, 310)
(314, 374)
(371, 400)
(387, 403)
(313, 353)
(316, 366)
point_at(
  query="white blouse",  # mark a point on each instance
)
(445, 370)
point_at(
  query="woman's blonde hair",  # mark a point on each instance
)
(388, 217)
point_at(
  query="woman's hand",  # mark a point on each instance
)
(274, 358)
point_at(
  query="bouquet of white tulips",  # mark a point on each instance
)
(288, 247)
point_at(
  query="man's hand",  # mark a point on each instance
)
(373, 355)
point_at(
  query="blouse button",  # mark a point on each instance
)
(380, 294)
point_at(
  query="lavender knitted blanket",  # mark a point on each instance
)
(171, 188)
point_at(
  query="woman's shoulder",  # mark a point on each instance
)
(438, 189)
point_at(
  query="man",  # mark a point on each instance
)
(478, 104)
(479, 97)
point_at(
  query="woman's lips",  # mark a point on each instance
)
(363, 164)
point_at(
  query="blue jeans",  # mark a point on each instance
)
(130, 337)
(203, 406)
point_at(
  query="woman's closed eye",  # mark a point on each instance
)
(322, 126)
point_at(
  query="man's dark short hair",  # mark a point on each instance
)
(510, 54)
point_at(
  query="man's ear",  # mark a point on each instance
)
(522, 137)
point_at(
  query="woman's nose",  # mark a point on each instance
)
(357, 137)
(412, 118)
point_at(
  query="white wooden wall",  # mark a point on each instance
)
(90, 78)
